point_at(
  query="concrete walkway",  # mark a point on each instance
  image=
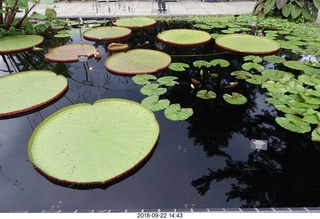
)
(92, 9)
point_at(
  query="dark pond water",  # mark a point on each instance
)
(203, 162)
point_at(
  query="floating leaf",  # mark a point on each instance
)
(252, 58)
(174, 112)
(23, 92)
(273, 86)
(154, 104)
(235, 98)
(135, 22)
(153, 89)
(19, 43)
(203, 94)
(295, 86)
(256, 79)
(277, 75)
(297, 65)
(293, 123)
(95, 145)
(178, 66)
(315, 135)
(274, 59)
(247, 44)
(137, 61)
(167, 81)
(107, 33)
(70, 53)
(184, 37)
(309, 80)
(241, 74)
(222, 62)
(143, 79)
(312, 119)
(201, 63)
(249, 65)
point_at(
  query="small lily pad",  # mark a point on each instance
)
(277, 75)
(315, 135)
(203, 94)
(252, 58)
(256, 79)
(241, 74)
(274, 59)
(249, 65)
(143, 79)
(201, 63)
(235, 98)
(153, 89)
(221, 62)
(293, 123)
(154, 104)
(174, 112)
(309, 80)
(178, 66)
(167, 81)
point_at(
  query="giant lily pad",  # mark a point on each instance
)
(70, 53)
(247, 44)
(137, 61)
(184, 37)
(23, 92)
(95, 144)
(107, 33)
(19, 43)
(135, 22)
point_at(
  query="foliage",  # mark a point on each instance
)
(292, 9)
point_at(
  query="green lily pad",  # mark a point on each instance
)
(293, 123)
(95, 144)
(137, 61)
(241, 74)
(297, 65)
(222, 62)
(174, 112)
(235, 98)
(312, 119)
(107, 33)
(135, 22)
(154, 104)
(184, 37)
(274, 59)
(19, 43)
(153, 89)
(315, 135)
(167, 81)
(256, 79)
(201, 63)
(273, 86)
(178, 66)
(26, 91)
(295, 86)
(70, 53)
(252, 58)
(203, 94)
(249, 65)
(277, 75)
(247, 44)
(309, 79)
(143, 79)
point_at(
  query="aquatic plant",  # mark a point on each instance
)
(26, 91)
(112, 139)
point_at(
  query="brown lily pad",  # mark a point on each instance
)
(70, 53)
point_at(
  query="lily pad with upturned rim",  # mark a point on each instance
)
(70, 53)
(247, 44)
(107, 33)
(83, 144)
(137, 61)
(184, 37)
(26, 91)
(19, 43)
(135, 22)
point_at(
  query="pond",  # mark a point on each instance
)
(206, 161)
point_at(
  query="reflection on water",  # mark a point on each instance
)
(204, 162)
